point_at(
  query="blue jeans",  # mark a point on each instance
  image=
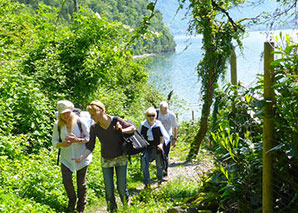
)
(108, 174)
(147, 157)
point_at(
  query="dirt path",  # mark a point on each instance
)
(189, 171)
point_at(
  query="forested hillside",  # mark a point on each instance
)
(128, 12)
(43, 61)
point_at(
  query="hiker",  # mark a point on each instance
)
(70, 134)
(154, 132)
(168, 119)
(108, 129)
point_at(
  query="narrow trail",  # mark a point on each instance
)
(188, 170)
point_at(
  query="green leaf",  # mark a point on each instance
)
(150, 6)
(278, 147)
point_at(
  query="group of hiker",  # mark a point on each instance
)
(76, 141)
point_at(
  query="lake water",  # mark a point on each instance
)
(177, 71)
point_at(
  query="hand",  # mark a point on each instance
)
(118, 126)
(174, 143)
(159, 147)
(67, 143)
(78, 159)
(72, 138)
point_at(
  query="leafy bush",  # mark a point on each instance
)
(237, 135)
(25, 111)
(83, 61)
(10, 202)
(42, 62)
(129, 13)
(285, 152)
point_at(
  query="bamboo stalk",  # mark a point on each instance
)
(267, 201)
(233, 67)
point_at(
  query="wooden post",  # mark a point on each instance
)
(193, 115)
(233, 67)
(267, 197)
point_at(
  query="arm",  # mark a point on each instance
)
(82, 156)
(175, 133)
(55, 139)
(125, 127)
(63, 144)
(175, 130)
(160, 145)
(74, 139)
(89, 146)
(85, 132)
(128, 130)
(165, 134)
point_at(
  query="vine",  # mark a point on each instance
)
(211, 19)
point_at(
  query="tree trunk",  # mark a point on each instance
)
(195, 146)
(76, 7)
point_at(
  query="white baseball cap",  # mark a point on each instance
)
(64, 106)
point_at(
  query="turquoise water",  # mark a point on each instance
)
(177, 71)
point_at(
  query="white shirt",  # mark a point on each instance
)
(75, 149)
(168, 120)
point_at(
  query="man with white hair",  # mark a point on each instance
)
(169, 121)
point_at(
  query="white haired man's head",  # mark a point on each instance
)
(163, 106)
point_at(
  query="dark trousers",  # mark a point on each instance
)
(69, 188)
(166, 149)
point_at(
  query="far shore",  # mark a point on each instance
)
(143, 56)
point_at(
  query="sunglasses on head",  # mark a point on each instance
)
(98, 106)
(150, 115)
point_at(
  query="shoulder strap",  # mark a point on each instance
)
(114, 120)
(59, 150)
(59, 134)
(80, 126)
(144, 131)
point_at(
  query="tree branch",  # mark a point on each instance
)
(214, 4)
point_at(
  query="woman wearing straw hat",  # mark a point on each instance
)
(70, 135)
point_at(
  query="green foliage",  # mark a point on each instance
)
(218, 35)
(236, 134)
(42, 62)
(237, 137)
(13, 147)
(10, 202)
(173, 194)
(130, 13)
(34, 182)
(81, 62)
(219, 30)
(285, 122)
(24, 110)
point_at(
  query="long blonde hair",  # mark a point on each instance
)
(62, 123)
